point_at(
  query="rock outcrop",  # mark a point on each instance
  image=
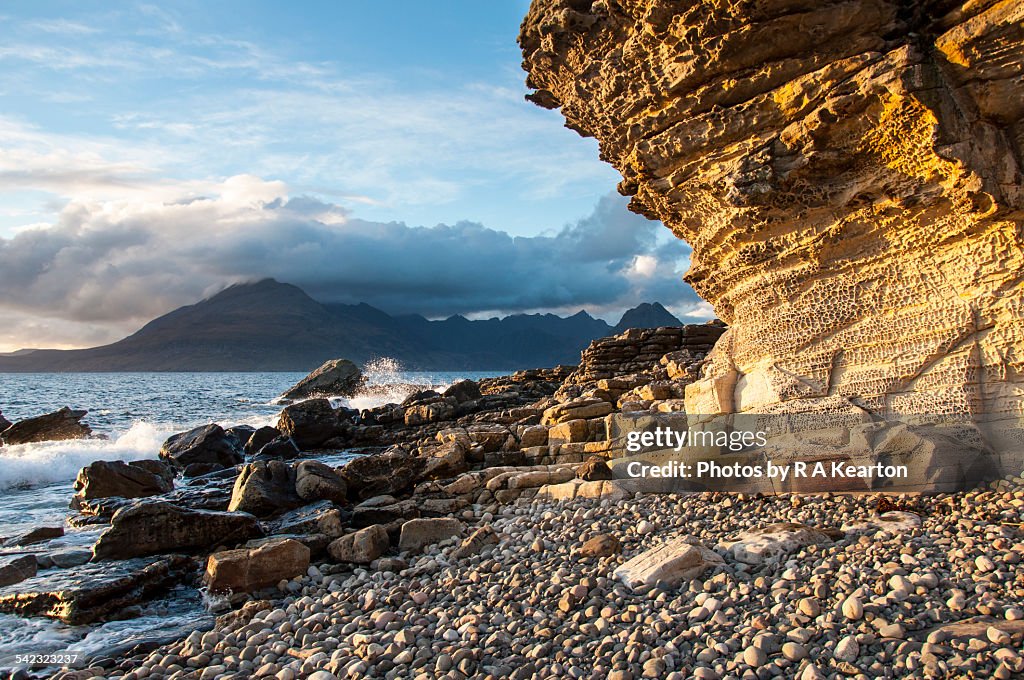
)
(153, 527)
(335, 378)
(206, 445)
(848, 174)
(64, 423)
(104, 479)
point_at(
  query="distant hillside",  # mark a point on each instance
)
(272, 326)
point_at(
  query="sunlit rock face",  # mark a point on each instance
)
(848, 174)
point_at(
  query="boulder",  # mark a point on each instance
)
(894, 521)
(201, 470)
(247, 569)
(104, 479)
(476, 542)
(367, 515)
(423, 414)
(205, 444)
(315, 481)
(594, 469)
(312, 423)
(70, 557)
(449, 460)
(611, 490)
(260, 438)
(419, 533)
(317, 518)
(151, 527)
(670, 563)
(17, 569)
(279, 448)
(602, 545)
(4, 423)
(361, 547)
(241, 432)
(37, 535)
(390, 472)
(583, 408)
(772, 542)
(265, 488)
(64, 423)
(463, 391)
(81, 595)
(335, 378)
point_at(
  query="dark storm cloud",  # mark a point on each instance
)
(121, 263)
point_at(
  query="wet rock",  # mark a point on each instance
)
(206, 444)
(594, 469)
(315, 481)
(4, 423)
(201, 469)
(241, 432)
(70, 557)
(84, 594)
(390, 472)
(419, 533)
(361, 547)
(671, 563)
(17, 569)
(152, 527)
(260, 438)
(37, 535)
(265, 488)
(279, 448)
(335, 378)
(105, 479)
(247, 569)
(314, 422)
(770, 543)
(64, 423)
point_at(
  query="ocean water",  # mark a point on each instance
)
(136, 412)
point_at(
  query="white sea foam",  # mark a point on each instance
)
(387, 382)
(31, 465)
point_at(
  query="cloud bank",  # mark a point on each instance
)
(105, 267)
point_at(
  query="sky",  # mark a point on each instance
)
(151, 155)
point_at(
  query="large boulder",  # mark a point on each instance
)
(315, 481)
(4, 423)
(104, 479)
(361, 547)
(389, 473)
(247, 569)
(316, 518)
(206, 444)
(151, 527)
(265, 488)
(335, 378)
(86, 593)
(64, 423)
(463, 391)
(314, 422)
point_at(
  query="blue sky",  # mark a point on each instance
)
(187, 123)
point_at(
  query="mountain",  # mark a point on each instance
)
(647, 315)
(272, 326)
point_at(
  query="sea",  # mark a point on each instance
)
(135, 413)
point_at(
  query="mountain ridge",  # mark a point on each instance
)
(273, 326)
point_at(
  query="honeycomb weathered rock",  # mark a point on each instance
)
(847, 172)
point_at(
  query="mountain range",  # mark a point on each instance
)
(273, 326)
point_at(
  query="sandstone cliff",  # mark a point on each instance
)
(848, 173)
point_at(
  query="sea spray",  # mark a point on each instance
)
(43, 463)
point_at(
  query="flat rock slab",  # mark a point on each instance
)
(87, 593)
(771, 542)
(17, 569)
(671, 563)
(894, 521)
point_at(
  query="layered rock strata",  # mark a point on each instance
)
(848, 174)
